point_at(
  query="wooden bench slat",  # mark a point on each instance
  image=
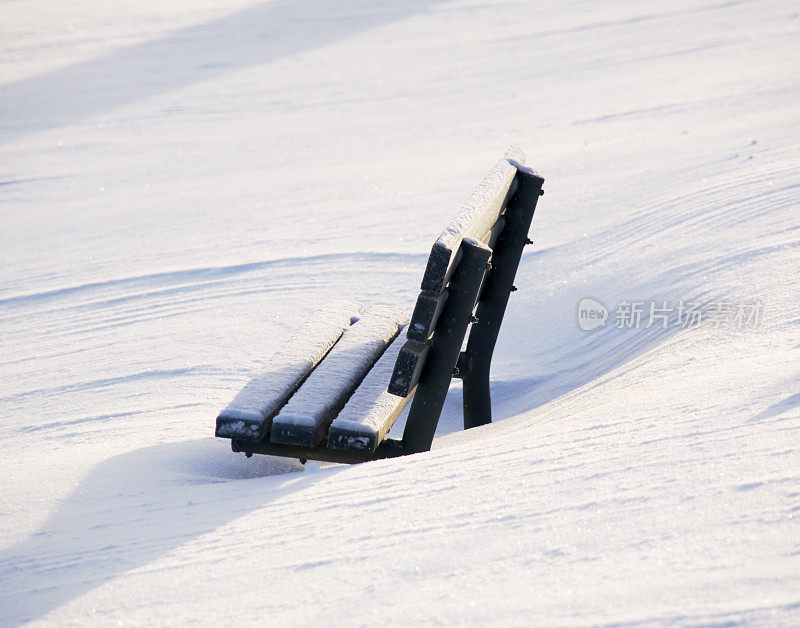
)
(408, 367)
(426, 313)
(474, 220)
(250, 413)
(371, 412)
(429, 306)
(306, 416)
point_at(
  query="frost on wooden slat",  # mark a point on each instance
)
(408, 367)
(474, 220)
(370, 413)
(250, 413)
(307, 415)
(426, 314)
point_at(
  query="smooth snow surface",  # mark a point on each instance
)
(182, 184)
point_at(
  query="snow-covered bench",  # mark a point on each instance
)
(336, 388)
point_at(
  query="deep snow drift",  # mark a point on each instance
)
(183, 183)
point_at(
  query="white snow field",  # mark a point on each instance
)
(183, 183)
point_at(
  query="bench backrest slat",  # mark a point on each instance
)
(408, 367)
(426, 313)
(475, 219)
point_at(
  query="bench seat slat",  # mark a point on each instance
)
(306, 416)
(250, 413)
(371, 412)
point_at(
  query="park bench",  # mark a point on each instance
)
(336, 388)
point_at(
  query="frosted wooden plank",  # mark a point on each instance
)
(475, 219)
(370, 413)
(408, 367)
(250, 413)
(426, 314)
(306, 416)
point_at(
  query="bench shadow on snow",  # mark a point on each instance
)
(256, 35)
(135, 508)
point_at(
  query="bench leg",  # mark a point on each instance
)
(476, 361)
(445, 348)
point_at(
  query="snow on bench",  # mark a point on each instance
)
(372, 410)
(475, 220)
(306, 416)
(250, 413)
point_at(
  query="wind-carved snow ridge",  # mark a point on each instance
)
(268, 391)
(303, 419)
(372, 410)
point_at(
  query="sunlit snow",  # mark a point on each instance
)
(182, 184)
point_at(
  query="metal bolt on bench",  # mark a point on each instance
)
(336, 388)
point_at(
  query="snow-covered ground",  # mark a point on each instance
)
(181, 183)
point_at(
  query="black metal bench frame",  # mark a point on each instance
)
(477, 294)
